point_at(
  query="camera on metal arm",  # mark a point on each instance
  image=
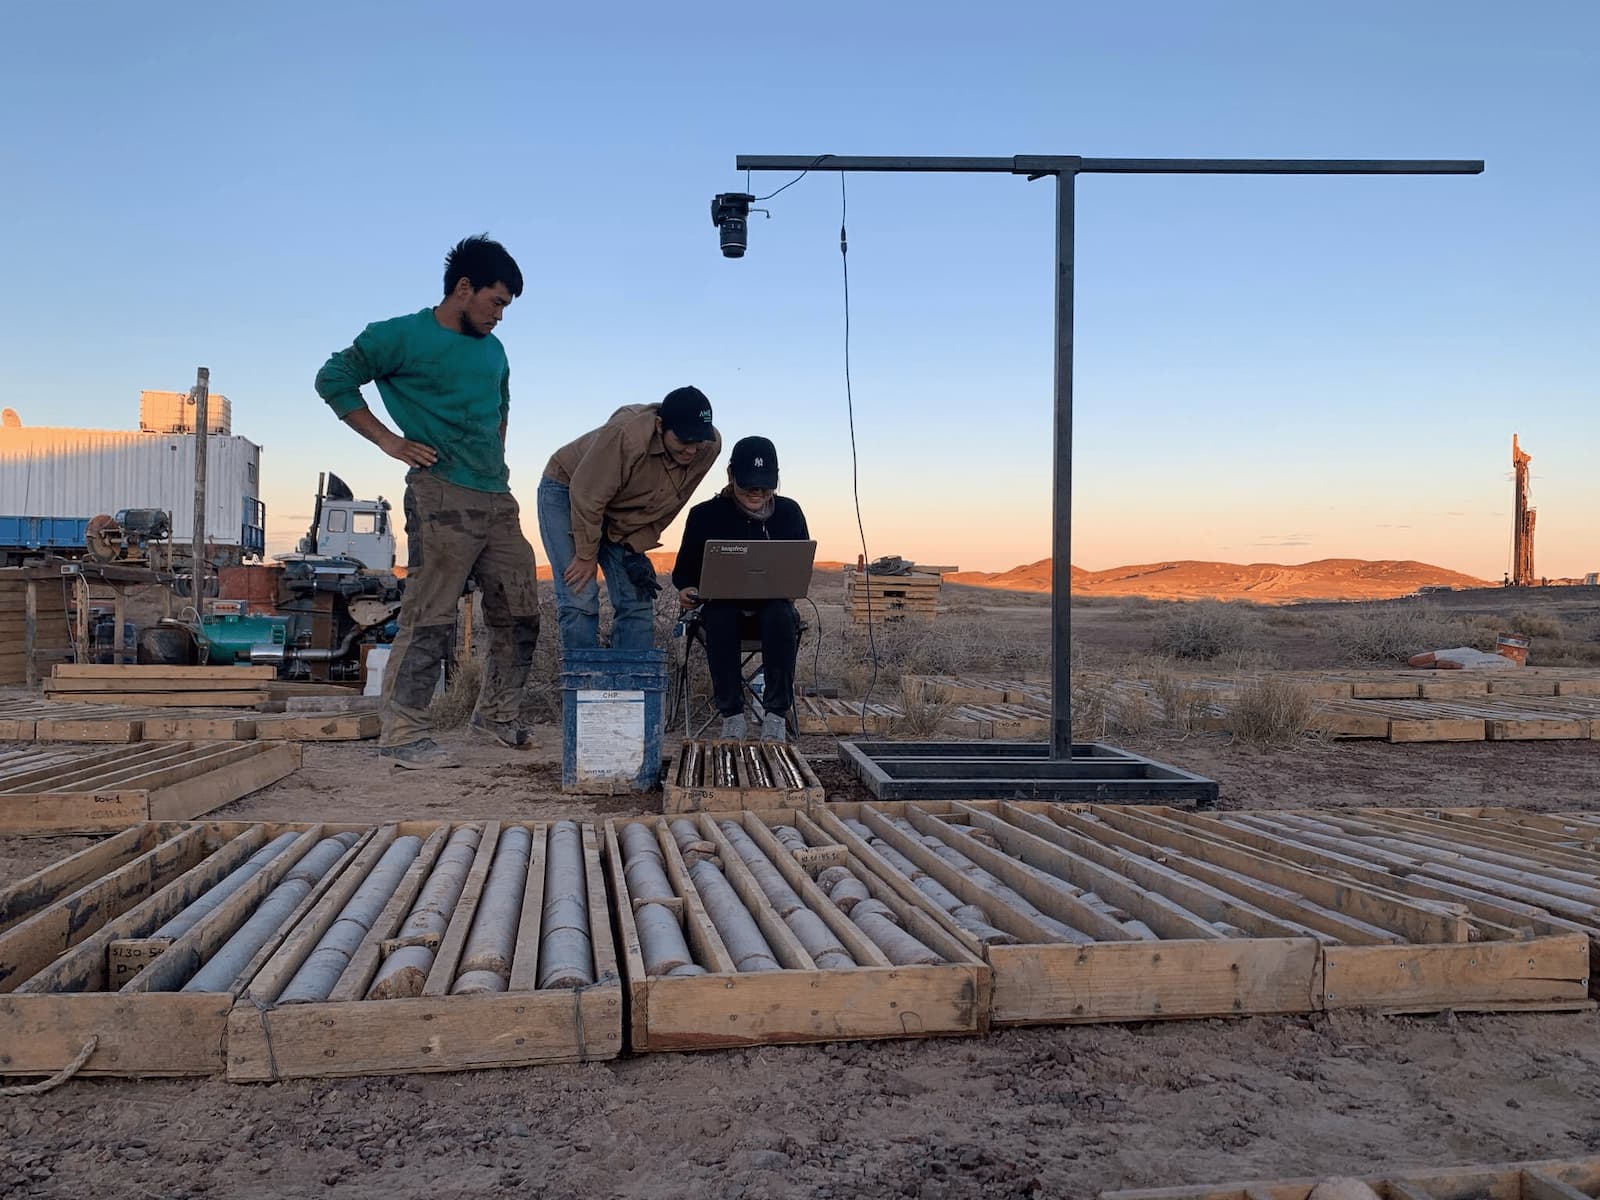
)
(730, 213)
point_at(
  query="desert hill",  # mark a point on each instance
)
(1265, 583)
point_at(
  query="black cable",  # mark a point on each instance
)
(855, 472)
(816, 658)
(795, 180)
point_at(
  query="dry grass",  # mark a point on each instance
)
(1271, 713)
(1181, 701)
(1536, 625)
(1380, 633)
(1207, 630)
(451, 710)
(924, 715)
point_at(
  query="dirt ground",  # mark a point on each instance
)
(1031, 1112)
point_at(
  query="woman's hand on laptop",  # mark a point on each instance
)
(688, 597)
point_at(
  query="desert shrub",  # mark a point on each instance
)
(1181, 701)
(1271, 713)
(1205, 630)
(924, 714)
(1290, 618)
(1380, 633)
(1535, 625)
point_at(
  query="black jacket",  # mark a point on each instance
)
(720, 519)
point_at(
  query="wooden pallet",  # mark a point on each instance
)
(26, 720)
(997, 721)
(973, 689)
(821, 714)
(1405, 710)
(1496, 717)
(719, 776)
(1173, 914)
(1551, 1179)
(801, 1002)
(58, 928)
(61, 790)
(964, 722)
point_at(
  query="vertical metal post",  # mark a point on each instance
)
(197, 549)
(1061, 512)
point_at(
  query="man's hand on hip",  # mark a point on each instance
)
(580, 573)
(413, 454)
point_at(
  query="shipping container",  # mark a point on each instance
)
(174, 412)
(50, 477)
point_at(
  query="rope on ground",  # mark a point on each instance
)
(60, 1077)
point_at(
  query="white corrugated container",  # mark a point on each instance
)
(81, 473)
(174, 412)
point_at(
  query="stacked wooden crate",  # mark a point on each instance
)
(33, 625)
(913, 596)
(157, 686)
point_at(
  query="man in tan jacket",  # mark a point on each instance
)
(605, 500)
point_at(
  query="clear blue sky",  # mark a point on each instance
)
(1268, 369)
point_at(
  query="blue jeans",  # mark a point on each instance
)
(578, 613)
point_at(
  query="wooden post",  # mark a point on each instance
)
(119, 609)
(81, 651)
(197, 549)
(30, 631)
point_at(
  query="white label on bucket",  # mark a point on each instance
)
(610, 734)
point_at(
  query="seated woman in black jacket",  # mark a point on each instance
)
(748, 508)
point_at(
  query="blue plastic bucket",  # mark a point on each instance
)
(611, 720)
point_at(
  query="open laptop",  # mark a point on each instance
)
(756, 570)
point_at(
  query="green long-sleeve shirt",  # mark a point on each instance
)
(442, 388)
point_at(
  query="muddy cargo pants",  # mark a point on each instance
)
(453, 533)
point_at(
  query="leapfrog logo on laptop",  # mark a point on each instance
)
(734, 548)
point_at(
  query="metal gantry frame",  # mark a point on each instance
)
(1065, 168)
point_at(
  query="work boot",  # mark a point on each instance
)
(733, 729)
(774, 728)
(507, 733)
(422, 755)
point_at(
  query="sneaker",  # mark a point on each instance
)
(733, 729)
(507, 733)
(774, 728)
(424, 755)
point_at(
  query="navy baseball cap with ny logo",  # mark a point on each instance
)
(754, 463)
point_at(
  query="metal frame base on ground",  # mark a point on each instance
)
(1021, 771)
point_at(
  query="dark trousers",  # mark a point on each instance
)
(724, 624)
(452, 533)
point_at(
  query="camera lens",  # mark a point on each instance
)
(735, 236)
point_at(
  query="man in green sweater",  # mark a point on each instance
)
(443, 378)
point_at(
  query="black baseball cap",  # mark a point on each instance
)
(687, 413)
(754, 463)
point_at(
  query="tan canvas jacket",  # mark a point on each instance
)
(621, 476)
